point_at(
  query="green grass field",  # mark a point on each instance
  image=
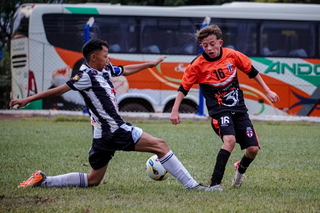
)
(285, 177)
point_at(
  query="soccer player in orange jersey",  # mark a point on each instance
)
(215, 70)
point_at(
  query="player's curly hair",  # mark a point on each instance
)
(207, 31)
(92, 46)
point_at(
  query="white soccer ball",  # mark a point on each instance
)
(155, 170)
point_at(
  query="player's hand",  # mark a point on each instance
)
(157, 61)
(273, 97)
(20, 103)
(175, 118)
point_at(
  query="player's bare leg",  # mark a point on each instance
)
(148, 143)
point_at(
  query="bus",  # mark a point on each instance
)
(281, 39)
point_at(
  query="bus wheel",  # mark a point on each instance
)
(187, 108)
(133, 107)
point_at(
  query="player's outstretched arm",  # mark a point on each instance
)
(175, 117)
(134, 68)
(45, 94)
(273, 97)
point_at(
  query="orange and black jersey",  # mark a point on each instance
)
(218, 80)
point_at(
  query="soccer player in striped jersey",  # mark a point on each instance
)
(215, 70)
(110, 132)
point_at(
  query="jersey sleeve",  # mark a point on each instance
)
(189, 78)
(242, 62)
(245, 65)
(80, 81)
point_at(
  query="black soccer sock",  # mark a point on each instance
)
(218, 172)
(244, 164)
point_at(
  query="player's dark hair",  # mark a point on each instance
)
(207, 31)
(92, 46)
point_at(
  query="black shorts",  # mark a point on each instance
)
(103, 149)
(237, 124)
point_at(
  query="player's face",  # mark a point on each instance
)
(100, 58)
(211, 45)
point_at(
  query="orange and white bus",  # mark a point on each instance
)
(282, 40)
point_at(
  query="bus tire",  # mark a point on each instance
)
(133, 107)
(186, 106)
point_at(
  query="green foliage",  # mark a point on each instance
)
(5, 79)
(284, 178)
(5, 63)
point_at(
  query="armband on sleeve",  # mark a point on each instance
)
(253, 73)
(181, 89)
(115, 70)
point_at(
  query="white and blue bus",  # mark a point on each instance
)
(282, 40)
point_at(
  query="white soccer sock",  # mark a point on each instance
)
(70, 179)
(172, 164)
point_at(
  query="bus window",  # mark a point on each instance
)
(70, 27)
(240, 35)
(319, 40)
(168, 36)
(119, 32)
(287, 39)
(149, 36)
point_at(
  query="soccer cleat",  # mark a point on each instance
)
(214, 188)
(198, 187)
(238, 178)
(36, 179)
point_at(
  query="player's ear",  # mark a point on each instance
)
(93, 57)
(221, 42)
(201, 45)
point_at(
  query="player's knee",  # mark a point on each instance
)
(161, 147)
(229, 140)
(253, 150)
(162, 144)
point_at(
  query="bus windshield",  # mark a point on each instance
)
(20, 26)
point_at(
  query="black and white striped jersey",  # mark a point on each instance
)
(99, 95)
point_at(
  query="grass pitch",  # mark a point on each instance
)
(285, 177)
